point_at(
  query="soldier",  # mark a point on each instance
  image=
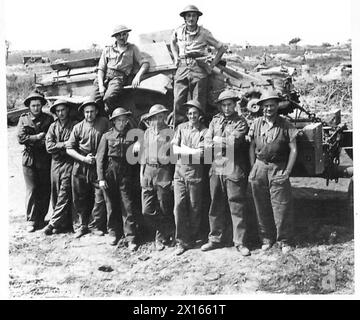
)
(32, 128)
(115, 176)
(189, 44)
(188, 143)
(156, 176)
(116, 64)
(273, 153)
(61, 166)
(82, 146)
(228, 174)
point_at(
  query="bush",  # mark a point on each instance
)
(18, 88)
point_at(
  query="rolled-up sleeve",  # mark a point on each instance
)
(73, 141)
(103, 61)
(212, 41)
(292, 132)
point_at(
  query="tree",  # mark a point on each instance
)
(94, 46)
(294, 41)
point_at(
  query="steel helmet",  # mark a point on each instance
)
(88, 102)
(35, 96)
(154, 110)
(58, 103)
(119, 29)
(193, 103)
(190, 8)
(120, 112)
(227, 94)
(269, 94)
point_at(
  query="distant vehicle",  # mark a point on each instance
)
(35, 59)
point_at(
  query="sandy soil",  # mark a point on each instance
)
(60, 266)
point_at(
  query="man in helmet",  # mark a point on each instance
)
(31, 131)
(82, 146)
(189, 44)
(156, 176)
(273, 154)
(188, 143)
(61, 166)
(228, 175)
(117, 64)
(115, 176)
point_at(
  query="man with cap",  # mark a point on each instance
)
(82, 146)
(188, 144)
(228, 175)
(61, 166)
(189, 44)
(116, 65)
(156, 176)
(115, 176)
(31, 131)
(273, 153)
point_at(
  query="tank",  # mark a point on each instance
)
(319, 142)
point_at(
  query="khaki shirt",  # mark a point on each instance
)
(194, 43)
(189, 168)
(233, 153)
(115, 145)
(124, 60)
(157, 145)
(190, 136)
(85, 137)
(55, 140)
(34, 153)
(272, 142)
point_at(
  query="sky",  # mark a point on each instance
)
(48, 24)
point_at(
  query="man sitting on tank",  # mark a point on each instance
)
(117, 64)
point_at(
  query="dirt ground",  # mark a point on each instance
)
(60, 266)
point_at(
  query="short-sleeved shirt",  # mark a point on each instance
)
(272, 142)
(34, 153)
(156, 145)
(124, 59)
(189, 135)
(85, 137)
(55, 140)
(234, 130)
(194, 43)
(113, 144)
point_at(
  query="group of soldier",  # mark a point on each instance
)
(87, 169)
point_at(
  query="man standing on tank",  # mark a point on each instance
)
(189, 45)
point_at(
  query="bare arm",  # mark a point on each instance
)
(218, 56)
(101, 79)
(292, 156)
(89, 159)
(175, 51)
(144, 68)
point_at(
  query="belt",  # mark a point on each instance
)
(112, 73)
(156, 165)
(269, 162)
